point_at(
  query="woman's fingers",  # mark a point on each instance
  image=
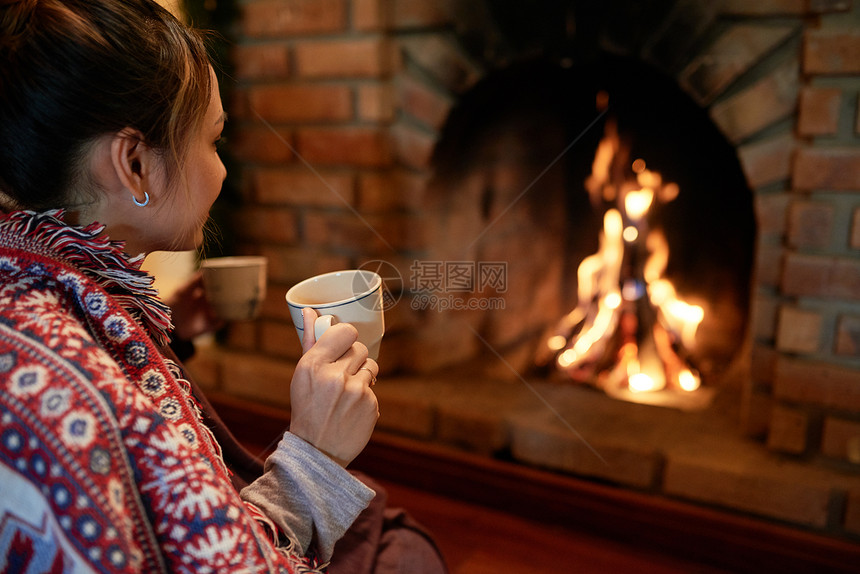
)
(337, 343)
(333, 407)
(368, 368)
(309, 316)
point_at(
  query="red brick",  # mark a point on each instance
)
(854, 241)
(763, 7)
(407, 14)
(205, 367)
(819, 111)
(827, 168)
(289, 265)
(799, 330)
(351, 230)
(298, 103)
(825, 6)
(763, 365)
(767, 161)
(848, 336)
(817, 383)
(365, 147)
(755, 414)
(742, 487)
(241, 336)
(261, 144)
(267, 224)
(284, 17)
(820, 276)
(769, 263)
(771, 213)
(361, 58)
(841, 439)
(541, 441)
(405, 411)
(831, 52)
(280, 339)
(810, 224)
(788, 430)
(423, 103)
(258, 378)
(369, 15)
(398, 190)
(376, 103)
(442, 340)
(769, 100)
(261, 61)
(443, 60)
(852, 511)
(237, 106)
(477, 426)
(764, 313)
(330, 231)
(301, 187)
(392, 357)
(476, 429)
(783, 7)
(412, 146)
(737, 50)
(857, 115)
(274, 305)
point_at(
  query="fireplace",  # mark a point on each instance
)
(428, 136)
(536, 158)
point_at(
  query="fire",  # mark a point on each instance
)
(630, 332)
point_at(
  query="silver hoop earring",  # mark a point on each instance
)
(143, 203)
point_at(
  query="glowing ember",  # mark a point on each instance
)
(630, 333)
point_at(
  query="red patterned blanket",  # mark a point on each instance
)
(104, 463)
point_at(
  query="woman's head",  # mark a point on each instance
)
(72, 71)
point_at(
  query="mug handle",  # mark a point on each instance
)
(322, 324)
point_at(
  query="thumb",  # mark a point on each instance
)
(309, 317)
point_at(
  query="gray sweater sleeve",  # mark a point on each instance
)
(309, 496)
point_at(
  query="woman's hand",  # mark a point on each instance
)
(332, 405)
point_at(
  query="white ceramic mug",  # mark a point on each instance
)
(353, 296)
(235, 286)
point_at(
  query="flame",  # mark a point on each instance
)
(637, 203)
(598, 285)
(631, 234)
(598, 184)
(688, 380)
(640, 383)
(624, 275)
(556, 343)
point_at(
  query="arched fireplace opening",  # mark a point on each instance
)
(512, 172)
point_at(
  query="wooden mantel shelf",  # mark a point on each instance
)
(737, 542)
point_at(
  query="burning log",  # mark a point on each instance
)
(629, 334)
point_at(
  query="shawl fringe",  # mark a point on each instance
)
(102, 260)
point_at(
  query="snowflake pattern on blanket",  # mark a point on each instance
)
(105, 464)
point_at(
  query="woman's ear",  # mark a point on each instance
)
(130, 158)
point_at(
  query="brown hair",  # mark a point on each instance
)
(74, 70)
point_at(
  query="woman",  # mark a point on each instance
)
(109, 120)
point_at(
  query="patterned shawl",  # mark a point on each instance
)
(104, 463)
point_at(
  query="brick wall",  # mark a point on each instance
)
(804, 391)
(338, 104)
(333, 127)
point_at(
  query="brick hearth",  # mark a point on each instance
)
(335, 111)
